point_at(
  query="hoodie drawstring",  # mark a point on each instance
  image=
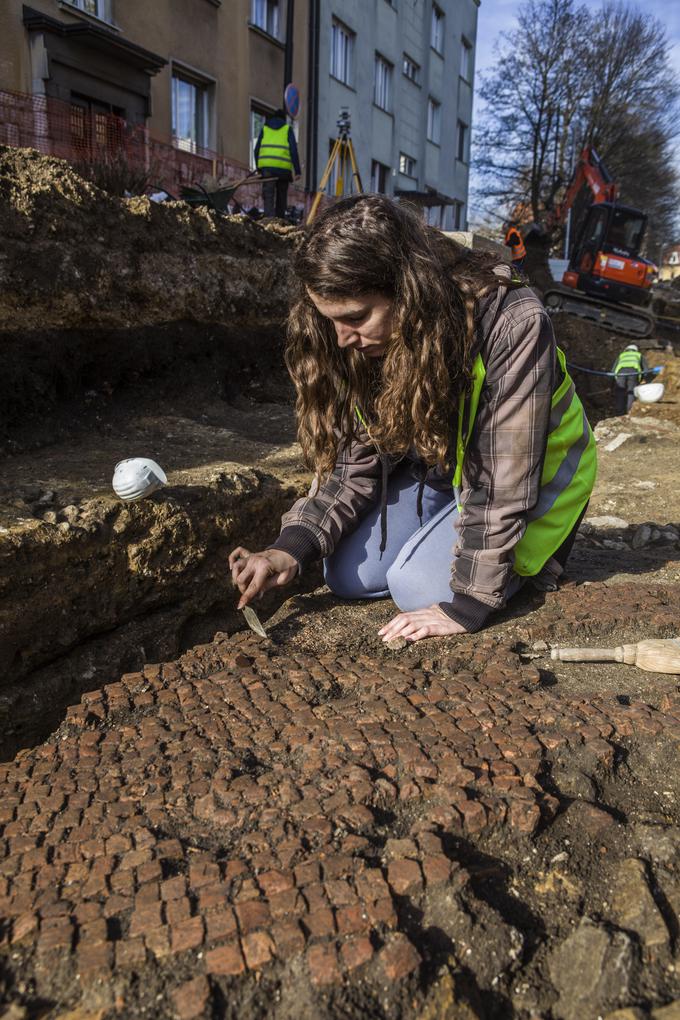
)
(422, 474)
(383, 505)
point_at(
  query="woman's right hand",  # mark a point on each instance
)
(255, 573)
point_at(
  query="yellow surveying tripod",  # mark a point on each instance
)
(341, 153)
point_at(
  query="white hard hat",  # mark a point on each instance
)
(632, 347)
(137, 477)
(649, 393)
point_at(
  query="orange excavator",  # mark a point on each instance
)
(607, 280)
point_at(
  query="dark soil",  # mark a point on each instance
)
(100, 293)
(519, 816)
(59, 385)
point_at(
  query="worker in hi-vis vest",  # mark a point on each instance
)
(515, 242)
(276, 156)
(629, 371)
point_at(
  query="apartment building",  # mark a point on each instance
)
(199, 74)
(670, 262)
(404, 69)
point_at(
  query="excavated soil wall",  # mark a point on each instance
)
(126, 327)
(96, 290)
(107, 587)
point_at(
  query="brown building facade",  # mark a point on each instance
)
(197, 74)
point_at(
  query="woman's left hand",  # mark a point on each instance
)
(421, 623)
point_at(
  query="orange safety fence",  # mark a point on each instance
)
(80, 134)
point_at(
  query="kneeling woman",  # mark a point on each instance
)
(453, 459)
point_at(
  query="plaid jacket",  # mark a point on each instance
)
(502, 468)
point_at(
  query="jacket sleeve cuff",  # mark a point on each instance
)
(300, 543)
(467, 611)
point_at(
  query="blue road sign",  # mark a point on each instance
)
(291, 98)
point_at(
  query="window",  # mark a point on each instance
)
(258, 115)
(265, 14)
(437, 29)
(624, 232)
(342, 52)
(434, 121)
(407, 165)
(461, 148)
(99, 8)
(96, 127)
(595, 226)
(411, 69)
(465, 59)
(382, 86)
(190, 123)
(434, 215)
(380, 175)
(459, 216)
(78, 128)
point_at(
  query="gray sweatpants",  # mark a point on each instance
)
(415, 568)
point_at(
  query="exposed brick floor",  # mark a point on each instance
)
(247, 807)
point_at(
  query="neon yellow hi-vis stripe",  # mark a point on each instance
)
(274, 151)
(567, 478)
(629, 359)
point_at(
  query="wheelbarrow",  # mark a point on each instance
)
(220, 199)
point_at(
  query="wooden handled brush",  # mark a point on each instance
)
(654, 656)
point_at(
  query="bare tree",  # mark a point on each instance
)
(567, 76)
(631, 112)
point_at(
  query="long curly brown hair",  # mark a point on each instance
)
(409, 396)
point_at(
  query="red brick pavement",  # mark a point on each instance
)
(232, 811)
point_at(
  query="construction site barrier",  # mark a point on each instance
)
(84, 136)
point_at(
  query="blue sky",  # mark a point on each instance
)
(498, 16)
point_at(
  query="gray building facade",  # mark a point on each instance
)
(404, 69)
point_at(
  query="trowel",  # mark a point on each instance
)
(251, 617)
(253, 621)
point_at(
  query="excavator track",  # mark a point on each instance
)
(624, 319)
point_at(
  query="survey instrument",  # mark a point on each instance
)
(342, 156)
(659, 656)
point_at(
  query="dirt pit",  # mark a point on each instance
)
(315, 826)
(128, 328)
(198, 823)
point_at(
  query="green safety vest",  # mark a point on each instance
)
(274, 151)
(567, 479)
(631, 360)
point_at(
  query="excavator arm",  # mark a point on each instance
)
(607, 280)
(589, 172)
